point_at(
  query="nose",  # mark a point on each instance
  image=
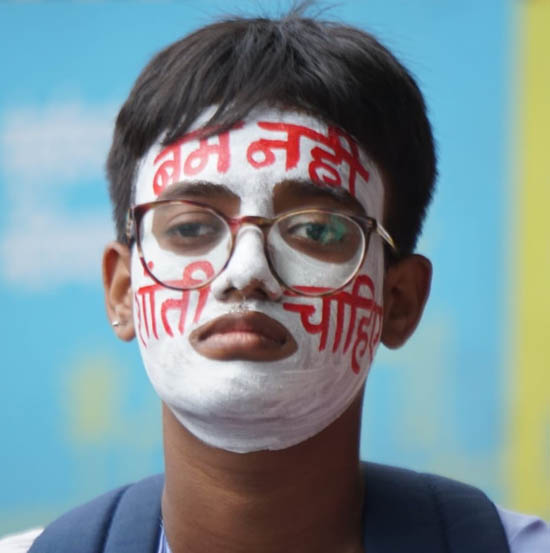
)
(248, 275)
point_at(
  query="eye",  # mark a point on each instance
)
(325, 236)
(187, 232)
(191, 230)
(327, 233)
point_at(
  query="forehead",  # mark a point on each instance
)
(255, 156)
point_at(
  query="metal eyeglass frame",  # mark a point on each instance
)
(366, 224)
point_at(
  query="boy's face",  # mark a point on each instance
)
(242, 363)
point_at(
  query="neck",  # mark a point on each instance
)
(305, 499)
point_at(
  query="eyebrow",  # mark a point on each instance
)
(205, 189)
(313, 189)
(211, 191)
(322, 189)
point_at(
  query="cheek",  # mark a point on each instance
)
(348, 323)
(161, 311)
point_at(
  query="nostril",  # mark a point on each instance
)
(227, 293)
(254, 290)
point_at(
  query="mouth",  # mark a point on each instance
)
(251, 336)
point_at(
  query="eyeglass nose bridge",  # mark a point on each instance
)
(263, 223)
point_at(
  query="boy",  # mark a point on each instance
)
(269, 182)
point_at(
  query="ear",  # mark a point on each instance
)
(406, 289)
(118, 291)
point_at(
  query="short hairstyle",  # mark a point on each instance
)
(336, 72)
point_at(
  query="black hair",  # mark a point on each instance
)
(336, 72)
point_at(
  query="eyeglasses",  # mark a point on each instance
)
(184, 245)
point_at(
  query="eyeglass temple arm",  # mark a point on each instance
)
(129, 228)
(385, 236)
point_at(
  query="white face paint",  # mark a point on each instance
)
(244, 405)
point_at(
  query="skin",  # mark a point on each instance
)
(306, 498)
(231, 388)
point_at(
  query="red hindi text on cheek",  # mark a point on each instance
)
(362, 336)
(148, 311)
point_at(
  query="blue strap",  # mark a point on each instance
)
(470, 519)
(422, 513)
(403, 511)
(125, 520)
(135, 527)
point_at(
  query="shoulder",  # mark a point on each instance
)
(115, 521)
(525, 533)
(433, 513)
(467, 515)
(22, 542)
(19, 543)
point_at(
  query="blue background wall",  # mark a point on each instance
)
(77, 413)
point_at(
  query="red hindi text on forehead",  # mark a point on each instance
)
(334, 150)
(171, 168)
(329, 154)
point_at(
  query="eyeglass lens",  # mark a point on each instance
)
(309, 249)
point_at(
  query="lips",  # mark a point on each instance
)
(249, 336)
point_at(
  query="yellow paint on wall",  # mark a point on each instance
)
(93, 394)
(529, 473)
